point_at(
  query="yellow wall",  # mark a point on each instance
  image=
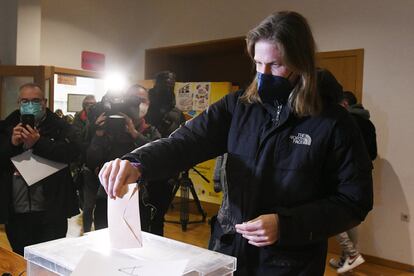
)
(205, 191)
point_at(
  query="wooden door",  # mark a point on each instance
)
(347, 66)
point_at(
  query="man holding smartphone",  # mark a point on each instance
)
(36, 213)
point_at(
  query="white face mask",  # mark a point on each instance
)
(143, 109)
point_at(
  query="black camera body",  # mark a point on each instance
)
(112, 107)
(115, 124)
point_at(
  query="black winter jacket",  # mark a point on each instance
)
(367, 128)
(314, 172)
(57, 142)
(105, 148)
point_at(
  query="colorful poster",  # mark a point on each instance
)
(184, 98)
(201, 98)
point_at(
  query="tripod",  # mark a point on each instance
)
(186, 186)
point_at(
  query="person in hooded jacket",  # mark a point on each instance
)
(36, 213)
(351, 257)
(297, 169)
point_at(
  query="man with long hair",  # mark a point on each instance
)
(297, 170)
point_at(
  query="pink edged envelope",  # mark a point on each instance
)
(124, 223)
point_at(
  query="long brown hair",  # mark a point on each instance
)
(291, 33)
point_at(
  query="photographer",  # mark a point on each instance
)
(39, 212)
(162, 113)
(120, 128)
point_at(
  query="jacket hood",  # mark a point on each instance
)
(328, 87)
(359, 110)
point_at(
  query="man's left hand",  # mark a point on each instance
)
(261, 231)
(30, 136)
(130, 126)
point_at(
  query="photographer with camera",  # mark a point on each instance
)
(119, 128)
(39, 212)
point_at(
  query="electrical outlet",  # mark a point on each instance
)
(405, 217)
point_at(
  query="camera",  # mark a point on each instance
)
(112, 106)
(115, 124)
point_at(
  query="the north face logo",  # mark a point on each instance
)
(301, 139)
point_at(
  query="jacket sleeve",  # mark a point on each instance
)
(64, 148)
(200, 139)
(371, 140)
(349, 196)
(7, 149)
(150, 135)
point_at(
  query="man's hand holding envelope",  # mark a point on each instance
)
(116, 175)
(119, 178)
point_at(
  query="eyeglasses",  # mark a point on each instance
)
(35, 100)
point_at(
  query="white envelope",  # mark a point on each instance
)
(34, 168)
(124, 223)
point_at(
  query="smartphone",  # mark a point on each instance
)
(28, 119)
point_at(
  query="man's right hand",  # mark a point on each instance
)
(100, 121)
(116, 175)
(16, 138)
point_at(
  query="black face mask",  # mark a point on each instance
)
(273, 90)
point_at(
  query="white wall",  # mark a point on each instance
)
(8, 27)
(28, 32)
(123, 29)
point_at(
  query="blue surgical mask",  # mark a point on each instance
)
(32, 108)
(273, 90)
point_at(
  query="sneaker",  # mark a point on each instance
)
(350, 263)
(336, 263)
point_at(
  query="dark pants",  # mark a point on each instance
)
(32, 228)
(308, 261)
(154, 202)
(89, 192)
(101, 213)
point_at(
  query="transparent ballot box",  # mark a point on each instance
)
(60, 257)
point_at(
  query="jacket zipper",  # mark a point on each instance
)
(275, 122)
(29, 197)
(277, 118)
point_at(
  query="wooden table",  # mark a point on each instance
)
(12, 263)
